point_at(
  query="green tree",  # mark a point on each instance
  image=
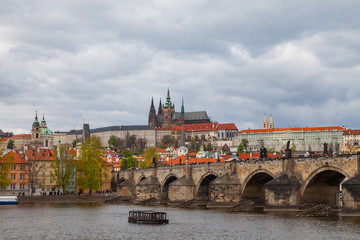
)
(129, 162)
(113, 141)
(64, 167)
(242, 146)
(293, 148)
(5, 166)
(91, 159)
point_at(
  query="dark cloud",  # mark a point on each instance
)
(103, 61)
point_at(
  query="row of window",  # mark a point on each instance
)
(13, 186)
(13, 176)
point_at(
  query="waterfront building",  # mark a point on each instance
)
(350, 141)
(18, 172)
(167, 117)
(41, 167)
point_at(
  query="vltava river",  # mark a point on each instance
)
(97, 221)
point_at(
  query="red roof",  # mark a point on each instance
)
(4, 139)
(199, 127)
(227, 126)
(22, 135)
(352, 132)
(17, 158)
(292, 129)
(42, 155)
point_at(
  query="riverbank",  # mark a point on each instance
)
(95, 198)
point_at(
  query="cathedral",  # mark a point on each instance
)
(166, 115)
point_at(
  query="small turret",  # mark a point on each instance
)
(182, 107)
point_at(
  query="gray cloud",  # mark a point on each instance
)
(103, 61)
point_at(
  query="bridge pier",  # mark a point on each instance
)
(225, 190)
(282, 193)
(351, 196)
(184, 188)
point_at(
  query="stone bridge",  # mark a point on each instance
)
(274, 184)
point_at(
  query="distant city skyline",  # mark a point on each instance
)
(102, 62)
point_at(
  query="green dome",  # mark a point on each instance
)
(46, 131)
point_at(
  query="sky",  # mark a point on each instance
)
(102, 61)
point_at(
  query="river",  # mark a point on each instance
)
(100, 221)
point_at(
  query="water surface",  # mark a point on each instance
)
(99, 221)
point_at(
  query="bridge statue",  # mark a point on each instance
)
(288, 153)
(263, 153)
(325, 148)
(154, 162)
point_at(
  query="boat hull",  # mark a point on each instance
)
(8, 203)
(164, 221)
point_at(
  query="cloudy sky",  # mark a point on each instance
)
(102, 61)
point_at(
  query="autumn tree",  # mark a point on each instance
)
(5, 166)
(149, 155)
(130, 141)
(129, 162)
(91, 159)
(63, 166)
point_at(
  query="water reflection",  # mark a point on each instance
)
(99, 221)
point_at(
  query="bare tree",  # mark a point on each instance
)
(33, 175)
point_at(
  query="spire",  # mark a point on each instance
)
(36, 121)
(265, 122)
(160, 108)
(152, 102)
(182, 107)
(168, 100)
(271, 124)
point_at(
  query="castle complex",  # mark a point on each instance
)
(167, 116)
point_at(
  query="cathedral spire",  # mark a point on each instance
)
(168, 100)
(182, 137)
(160, 108)
(152, 102)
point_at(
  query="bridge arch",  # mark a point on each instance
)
(322, 186)
(141, 178)
(254, 186)
(202, 187)
(165, 185)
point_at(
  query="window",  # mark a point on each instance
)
(22, 167)
(106, 177)
(22, 186)
(13, 167)
(12, 186)
(106, 186)
(43, 173)
(13, 176)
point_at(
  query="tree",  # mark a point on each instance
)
(194, 145)
(90, 165)
(242, 146)
(141, 144)
(129, 162)
(293, 148)
(64, 167)
(11, 144)
(33, 175)
(130, 141)
(113, 141)
(5, 165)
(150, 153)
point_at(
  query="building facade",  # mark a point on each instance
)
(301, 139)
(351, 140)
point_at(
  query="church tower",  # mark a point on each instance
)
(36, 133)
(168, 110)
(265, 124)
(152, 114)
(271, 124)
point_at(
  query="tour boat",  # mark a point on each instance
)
(147, 216)
(8, 200)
